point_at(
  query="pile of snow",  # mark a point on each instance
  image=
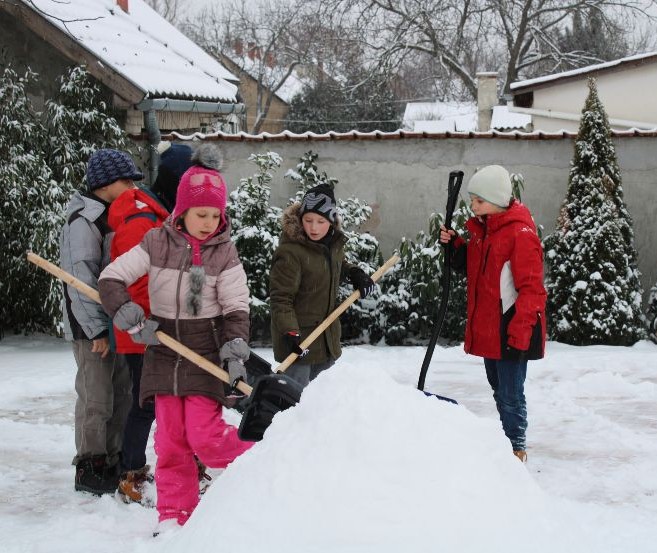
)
(365, 464)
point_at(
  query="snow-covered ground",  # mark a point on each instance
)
(366, 463)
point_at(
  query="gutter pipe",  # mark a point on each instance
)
(151, 106)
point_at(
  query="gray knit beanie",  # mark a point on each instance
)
(493, 184)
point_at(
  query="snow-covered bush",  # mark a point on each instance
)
(407, 308)
(594, 291)
(80, 122)
(651, 315)
(31, 206)
(42, 161)
(256, 227)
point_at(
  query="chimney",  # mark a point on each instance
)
(486, 99)
(123, 4)
(238, 47)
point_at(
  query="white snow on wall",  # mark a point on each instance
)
(143, 47)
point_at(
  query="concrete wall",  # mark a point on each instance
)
(406, 179)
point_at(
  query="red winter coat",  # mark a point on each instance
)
(506, 296)
(131, 216)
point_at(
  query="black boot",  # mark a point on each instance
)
(91, 475)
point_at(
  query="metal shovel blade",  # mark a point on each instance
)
(271, 395)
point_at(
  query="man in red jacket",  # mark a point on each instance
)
(506, 296)
(131, 216)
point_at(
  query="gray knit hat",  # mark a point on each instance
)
(493, 184)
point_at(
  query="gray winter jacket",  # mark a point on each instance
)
(84, 252)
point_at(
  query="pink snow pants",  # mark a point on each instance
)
(186, 426)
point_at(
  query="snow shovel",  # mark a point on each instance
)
(269, 390)
(453, 188)
(283, 401)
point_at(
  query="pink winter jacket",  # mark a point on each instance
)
(165, 256)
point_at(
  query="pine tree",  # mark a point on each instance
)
(594, 291)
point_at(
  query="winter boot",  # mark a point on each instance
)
(166, 527)
(204, 479)
(132, 485)
(520, 454)
(91, 475)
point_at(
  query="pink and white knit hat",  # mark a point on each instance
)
(200, 187)
(202, 184)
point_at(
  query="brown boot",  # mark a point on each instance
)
(520, 454)
(132, 483)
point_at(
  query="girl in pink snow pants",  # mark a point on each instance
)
(198, 294)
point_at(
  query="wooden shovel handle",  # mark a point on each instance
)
(334, 315)
(167, 340)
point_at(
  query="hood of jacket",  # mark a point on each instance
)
(90, 207)
(134, 202)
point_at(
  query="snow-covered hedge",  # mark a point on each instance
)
(42, 161)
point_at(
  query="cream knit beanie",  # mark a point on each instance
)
(493, 184)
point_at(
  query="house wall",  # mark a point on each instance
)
(25, 49)
(248, 88)
(626, 94)
(406, 180)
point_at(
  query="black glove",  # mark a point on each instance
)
(513, 354)
(361, 280)
(292, 342)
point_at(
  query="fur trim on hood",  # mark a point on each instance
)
(292, 227)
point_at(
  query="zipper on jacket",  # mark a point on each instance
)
(483, 267)
(177, 321)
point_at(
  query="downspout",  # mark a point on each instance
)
(154, 138)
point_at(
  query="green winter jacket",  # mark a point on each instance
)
(304, 281)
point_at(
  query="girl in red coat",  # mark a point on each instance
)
(506, 297)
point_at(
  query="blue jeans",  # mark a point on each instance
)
(507, 379)
(305, 373)
(140, 420)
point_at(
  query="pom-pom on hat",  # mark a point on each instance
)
(320, 199)
(202, 185)
(493, 184)
(175, 159)
(107, 166)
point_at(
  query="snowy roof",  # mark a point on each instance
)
(439, 117)
(504, 119)
(633, 60)
(142, 47)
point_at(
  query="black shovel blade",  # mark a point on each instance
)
(441, 398)
(271, 395)
(257, 366)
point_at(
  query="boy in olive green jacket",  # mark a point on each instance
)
(307, 268)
